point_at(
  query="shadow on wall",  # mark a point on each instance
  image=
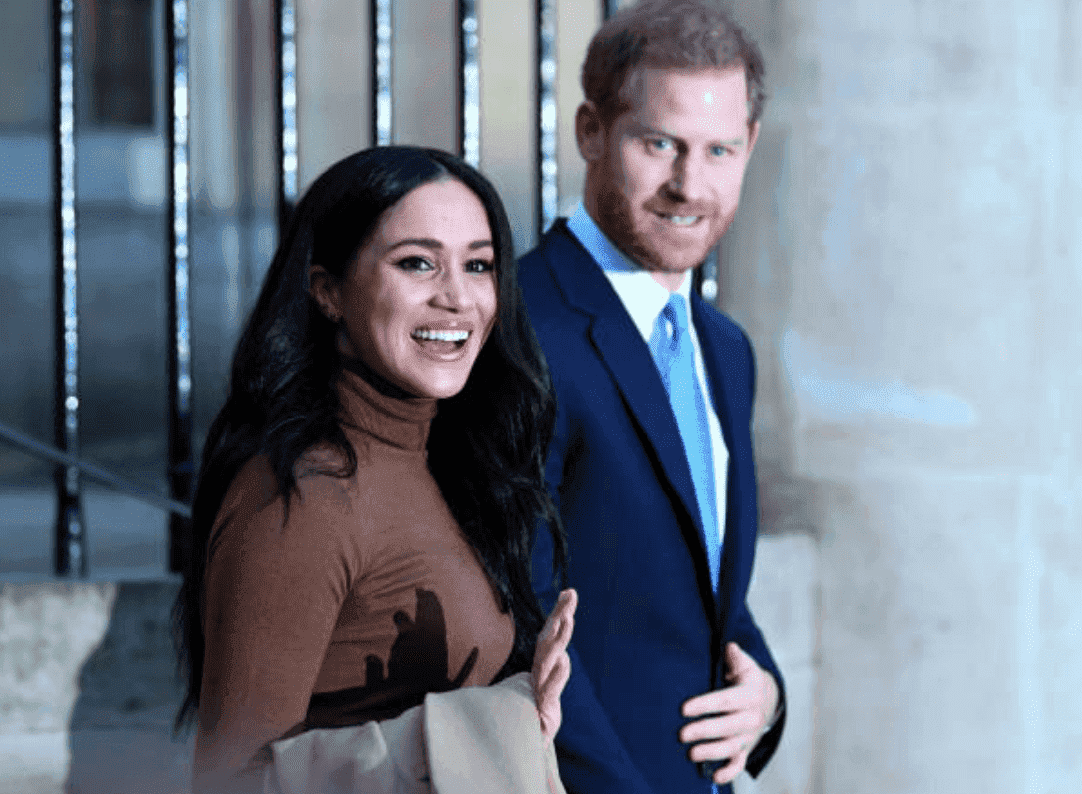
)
(120, 735)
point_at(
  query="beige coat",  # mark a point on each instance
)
(474, 740)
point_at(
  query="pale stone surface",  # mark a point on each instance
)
(34, 763)
(906, 262)
(575, 26)
(424, 97)
(46, 633)
(1050, 641)
(334, 118)
(88, 690)
(921, 681)
(507, 111)
(784, 598)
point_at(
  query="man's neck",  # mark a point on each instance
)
(672, 281)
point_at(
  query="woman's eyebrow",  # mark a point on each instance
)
(436, 245)
(424, 242)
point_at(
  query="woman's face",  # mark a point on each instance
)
(419, 300)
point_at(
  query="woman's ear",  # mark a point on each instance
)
(323, 287)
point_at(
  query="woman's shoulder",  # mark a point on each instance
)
(321, 501)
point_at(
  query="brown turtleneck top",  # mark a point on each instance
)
(365, 598)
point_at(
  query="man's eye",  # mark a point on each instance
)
(415, 263)
(720, 151)
(479, 266)
(659, 144)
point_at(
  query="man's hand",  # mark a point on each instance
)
(551, 664)
(735, 717)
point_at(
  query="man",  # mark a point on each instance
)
(652, 466)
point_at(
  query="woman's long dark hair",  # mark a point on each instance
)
(486, 446)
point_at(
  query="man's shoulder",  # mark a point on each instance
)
(545, 270)
(718, 324)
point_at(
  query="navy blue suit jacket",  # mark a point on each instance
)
(649, 632)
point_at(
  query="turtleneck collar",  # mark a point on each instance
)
(402, 423)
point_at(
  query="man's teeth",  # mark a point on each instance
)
(441, 336)
(682, 220)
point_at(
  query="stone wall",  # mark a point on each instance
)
(906, 259)
(88, 690)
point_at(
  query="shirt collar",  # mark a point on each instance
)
(643, 297)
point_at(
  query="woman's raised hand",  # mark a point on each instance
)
(551, 664)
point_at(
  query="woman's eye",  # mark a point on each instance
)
(415, 263)
(479, 266)
(719, 151)
(659, 144)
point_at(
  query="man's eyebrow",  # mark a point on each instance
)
(436, 245)
(638, 128)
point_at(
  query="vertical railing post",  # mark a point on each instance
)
(706, 276)
(469, 84)
(178, 278)
(285, 27)
(382, 63)
(609, 7)
(69, 552)
(547, 196)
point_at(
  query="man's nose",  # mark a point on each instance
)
(688, 179)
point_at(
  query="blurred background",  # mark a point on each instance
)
(907, 260)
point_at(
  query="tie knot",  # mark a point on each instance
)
(676, 312)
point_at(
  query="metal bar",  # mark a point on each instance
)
(548, 199)
(382, 63)
(93, 471)
(469, 86)
(609, 7)
(706, 276)
(286, 89)
(69, 553)
(181, 464)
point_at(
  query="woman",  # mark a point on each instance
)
(364, 514)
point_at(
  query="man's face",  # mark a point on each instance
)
(663, 181)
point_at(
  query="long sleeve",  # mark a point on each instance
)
(274, 587)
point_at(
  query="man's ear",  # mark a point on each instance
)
(753, 136)
(323, 287)
(589, 132)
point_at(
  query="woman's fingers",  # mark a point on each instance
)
(552, 665)
(554, 637)
(548, 703)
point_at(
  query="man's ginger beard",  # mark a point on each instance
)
(615, 218)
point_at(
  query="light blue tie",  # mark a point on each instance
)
(675, 358)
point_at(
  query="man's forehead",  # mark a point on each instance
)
(653, 94)
(646, 81)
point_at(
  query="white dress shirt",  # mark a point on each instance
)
(644, 298)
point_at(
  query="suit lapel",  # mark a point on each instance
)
(724, 383)
(627, 357)
(716, 371)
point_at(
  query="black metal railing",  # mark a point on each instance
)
(181, 468)
(69, 551)
(70, 557)
(93, 471)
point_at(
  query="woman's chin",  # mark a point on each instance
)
(439, 386)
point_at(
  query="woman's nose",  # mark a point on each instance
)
(452, 291)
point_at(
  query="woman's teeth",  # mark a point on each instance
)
(441, 336)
